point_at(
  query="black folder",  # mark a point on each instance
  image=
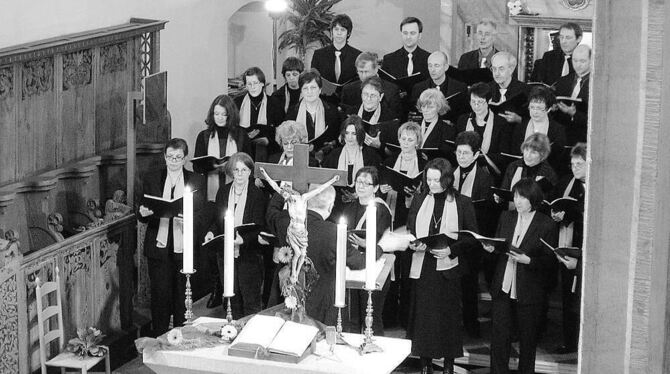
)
(163, 208)
(208, 163)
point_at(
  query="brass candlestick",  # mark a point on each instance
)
(368, 345)
(229, 310)
(338, 328)
(231, 328)
(188, 301)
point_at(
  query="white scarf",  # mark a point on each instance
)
(245, 111)
(488, 132)
(392, 196)
(448, 226)
(375, 116)
(426, 132)
(467, 183)
(241, 203)
(344, 161)
(177, 223)
(516, 177)
(319, 121)
(509, 279)
(213, 149)
(378, 202)
(566, 232)
(535, 127)
(287, 98)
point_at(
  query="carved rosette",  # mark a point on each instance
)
(9, 326)
(575, 4)
(113, 58)
(6, 82)
(77, 69)
(38, 77)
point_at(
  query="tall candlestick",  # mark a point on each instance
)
(187, 266)
(228, 254)
(341, 263)
(370, 245)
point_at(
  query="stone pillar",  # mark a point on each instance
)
(625, 310)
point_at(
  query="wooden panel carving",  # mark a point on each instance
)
(6, 82)
(8, 131)
(113, 58)
(38, 76)
(106, 283)
(77, 69)
(77, 286)
(9, 326)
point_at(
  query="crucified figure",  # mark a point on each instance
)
(296, 233)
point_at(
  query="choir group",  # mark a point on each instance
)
(439, 148)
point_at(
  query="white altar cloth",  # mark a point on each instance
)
(346, 360)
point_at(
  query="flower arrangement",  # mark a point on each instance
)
(518, 7)
(295, 293)
(87, 343)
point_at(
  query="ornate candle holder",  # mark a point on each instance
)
(188, 302)
(231, 328)
(368, 345)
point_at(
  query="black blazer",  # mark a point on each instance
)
(401, 210)
(466, 221)
(332, 119)
(395, 62)
(458, 104)
(351, 97)
(254, 212)
(550, 67)
(540, 170)
(500, 135)
(152, 184)
(275, 110)
(280, 96)
(575, 127)
(514, 88)
(576, 215)
(470, 60)
(481, 190)
(324, 61)
(370, 158)
(202, 142)
(531, 278)
(556, 135)
(444, 130)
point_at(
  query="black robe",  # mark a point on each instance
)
(435, 312)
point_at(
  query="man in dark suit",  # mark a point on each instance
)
(321, 250)
(574, 117)
(163, 244)
(366, 66)
(410, 58)
(505, 86)
(558, 62)
(335, 62)
(481, 57)
(438, 63)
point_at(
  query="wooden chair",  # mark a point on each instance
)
(64, 360)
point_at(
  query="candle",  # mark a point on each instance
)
(370, 245)
(228, 254)
(187, 265)
(341, 263)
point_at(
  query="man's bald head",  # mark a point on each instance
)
(581, 59)
(438, 62)
(322, 202)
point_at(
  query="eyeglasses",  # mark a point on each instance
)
(292, 142)
(538, 108)
(363, 183)
(477, 102)
(241, 171)
(369, 96)
(174, 158)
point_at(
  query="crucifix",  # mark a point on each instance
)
(300, 174)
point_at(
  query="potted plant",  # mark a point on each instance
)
(311, 21)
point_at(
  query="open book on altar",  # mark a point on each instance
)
(270, 338)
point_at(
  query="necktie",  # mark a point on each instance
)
(566, 66)
(338, 66)
(503, 91)
(578, 86)
(410, 64)
(483, 64)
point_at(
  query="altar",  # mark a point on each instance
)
(345, 359)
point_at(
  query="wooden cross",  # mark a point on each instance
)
(300, 173)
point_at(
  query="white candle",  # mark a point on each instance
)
(187, 266)
(228, 254)
(341, 263)
(370, 245)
